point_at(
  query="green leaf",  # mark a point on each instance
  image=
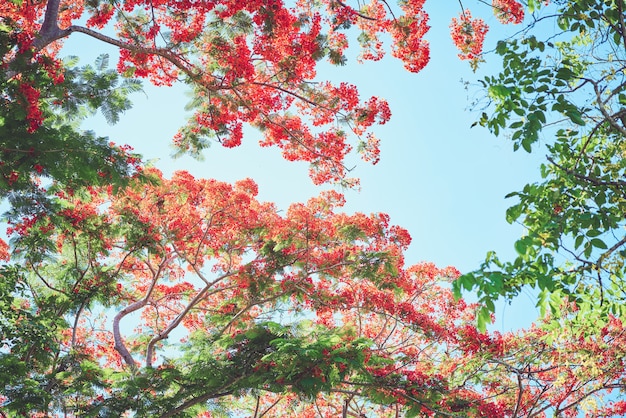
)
(513, 213)
(501, 47)
(497, 282)
(598, 243)
(483, 318)
(456, 288)
(575, 117)
(541, 117)
(565, 73)
(521, 246)
(499, 91)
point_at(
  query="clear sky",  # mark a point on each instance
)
(442, 181)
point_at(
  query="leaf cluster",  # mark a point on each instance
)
(563, 94)
(58, 150)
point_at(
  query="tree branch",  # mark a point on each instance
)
(603, 110)
(50, 30)
(161, 52)
(361, 15)
(119, 346)
(591, 180)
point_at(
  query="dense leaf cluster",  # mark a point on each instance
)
(563, 94)
(58, 150)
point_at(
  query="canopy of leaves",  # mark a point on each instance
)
(40, 141)
(563, 94)
(130, 293)
(189, 297)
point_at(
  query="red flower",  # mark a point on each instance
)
(508, 11)
(33, 113)
(468, 35)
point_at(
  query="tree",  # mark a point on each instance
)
(237, 308)
(39, 135)
(208, 258)
(563, 94)
(248, 62)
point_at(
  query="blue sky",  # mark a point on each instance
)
(442, 181)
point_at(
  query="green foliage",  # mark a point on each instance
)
(58, 151)
(33, 373)
(43, 152)
(98, 88)
(28, 333)
(269, 357)
(564, 94)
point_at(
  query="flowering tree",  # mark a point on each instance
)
(234, 307)
(206, 257)
(248, 62)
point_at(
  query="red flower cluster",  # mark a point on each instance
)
(34, 116)
(4, 251)
(508, 11)
(408, 34)
(53, 67)
(468, 35)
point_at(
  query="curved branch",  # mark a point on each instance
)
(520, 392)
(603, 110)
(44, 281)
(119, 346)
(594, 181)
(161, 52)
(50, 30)
(202, 398)
(361, 15)
(166, 332)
